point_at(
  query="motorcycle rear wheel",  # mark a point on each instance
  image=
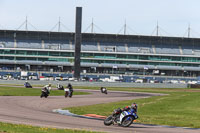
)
(108, 121)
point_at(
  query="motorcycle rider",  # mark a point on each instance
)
(69, 86)
(124, 117)
(103, 90)
(46, 91)
(60, 87)
(132, 108)
(27, 84)
(47, 88)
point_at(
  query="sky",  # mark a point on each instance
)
(109, 16)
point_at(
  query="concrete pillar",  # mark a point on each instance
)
(78, 38)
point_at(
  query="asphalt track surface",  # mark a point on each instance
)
(36, 111)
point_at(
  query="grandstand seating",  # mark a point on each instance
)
(104, 47)
(166, 49)
(176, 49)
(29, 44)
(65, 46)
(133, 48)
(6, 43)
(132, 53)
(58, 45)
(112, 47)
(89, 46)
(187, 49)
(139, 48)
(196, 52)
(9, 44)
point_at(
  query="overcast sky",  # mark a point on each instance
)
(141, 16)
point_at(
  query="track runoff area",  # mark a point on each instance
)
(36, 111)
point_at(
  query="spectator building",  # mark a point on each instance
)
(100, 53)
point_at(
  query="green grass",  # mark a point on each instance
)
(181, 107)
(130, 89)
(21, 91)
(16, 128)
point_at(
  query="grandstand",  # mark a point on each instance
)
(100, 53)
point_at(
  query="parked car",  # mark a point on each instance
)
(139, 81)
(7, 77)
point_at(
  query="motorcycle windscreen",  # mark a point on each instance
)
(67, 89)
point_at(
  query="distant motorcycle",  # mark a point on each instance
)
(27, 85)
(45, 93)
(60, 87)
(68, 93)
(70, 90)
(104, 90)
(122, 118)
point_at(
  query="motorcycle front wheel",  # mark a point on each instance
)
(42, 95)
(46, 95)
(66, 94)
(108, 121)
(127, 121)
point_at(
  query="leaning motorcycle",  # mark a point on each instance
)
(60, 87)
(104, 90)
(27, 85)
(45, 93)
(122, 118)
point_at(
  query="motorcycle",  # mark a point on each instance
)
(27, 85)
(45, 93)
(104, 90)
(60, 87)
(66, 92)
(120, 117)
(70, 93)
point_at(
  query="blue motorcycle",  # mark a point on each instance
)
(122, 118)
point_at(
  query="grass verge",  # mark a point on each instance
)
(180, 108)
(21, 91)
(18, 128)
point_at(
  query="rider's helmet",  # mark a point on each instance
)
(49, 84)
(69, 85)
(134, 106)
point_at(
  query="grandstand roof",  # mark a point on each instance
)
(45, 35)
